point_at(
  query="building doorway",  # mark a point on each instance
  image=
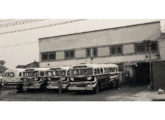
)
(142, 73)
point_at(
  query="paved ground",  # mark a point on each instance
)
(125, 93)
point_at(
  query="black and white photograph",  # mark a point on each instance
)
(82, 59)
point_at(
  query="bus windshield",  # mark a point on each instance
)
(36, 73)
(50, 73)
(28, 74)
(9, 74)
(62, 73)
(77, 72)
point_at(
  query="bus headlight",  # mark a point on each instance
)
(72, 79)
(35, 79)
(49, 78)
(89, 78)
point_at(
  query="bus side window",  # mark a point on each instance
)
(105, 70)
(95, 72)
(98, 71)
(6, 74)
(42, 73)
(113, 69)
(20, 74)
(110, 70)
(101, 70)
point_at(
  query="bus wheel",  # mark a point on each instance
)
(43, 88)
(117, 84)
(97, 89)
(20, 89)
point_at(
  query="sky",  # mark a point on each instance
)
(21, 47)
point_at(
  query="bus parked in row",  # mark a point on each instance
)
(35, 78)
(12, 78)
(93, 77)
(58, 75)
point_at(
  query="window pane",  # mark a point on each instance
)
(112, 50)
(140, 47)
(52, 56)
(119, 49)
(94, 52)
(66, 54)
(154, 46)
(88, 52)
(71, 54)
(44, 56)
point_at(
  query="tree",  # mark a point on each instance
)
(2, 66)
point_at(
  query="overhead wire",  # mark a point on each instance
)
(40, 27)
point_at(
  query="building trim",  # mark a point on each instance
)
(82, 48)
(155, 53)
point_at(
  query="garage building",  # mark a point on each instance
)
(124, 46)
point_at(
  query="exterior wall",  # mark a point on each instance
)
(99, 38)
(103, 51)
(80, 53)
(161, 45)
(126, 36)
(128, 49)
(158, 75)
(110, 59)
(59, 55)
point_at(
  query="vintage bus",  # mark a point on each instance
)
(12, 78)
(35, 78)
(56, 75)
(93, 77)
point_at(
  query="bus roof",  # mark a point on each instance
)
(37, 69)
(95, 65)
(60, 68)
(15, 70)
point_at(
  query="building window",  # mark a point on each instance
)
(72, 54)
(143, 47)
(48, 56)
(44, 56)
(154, 46)
(52, 56)
(69, 54)
(88, 52)
(116, 50)
(95, 52)
(140, 47)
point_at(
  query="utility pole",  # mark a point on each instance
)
(148, 42)
(91, 55)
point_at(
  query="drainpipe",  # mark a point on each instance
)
(148, 42)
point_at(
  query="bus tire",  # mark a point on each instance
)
(117, 84)
(20, 89)
(43, 88)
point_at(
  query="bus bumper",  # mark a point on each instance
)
(64, 86)
(31, 87)
(77, 88)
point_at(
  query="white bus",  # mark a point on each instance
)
(12, 78)
(56, 75)
(35, 78)
(93, 77)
